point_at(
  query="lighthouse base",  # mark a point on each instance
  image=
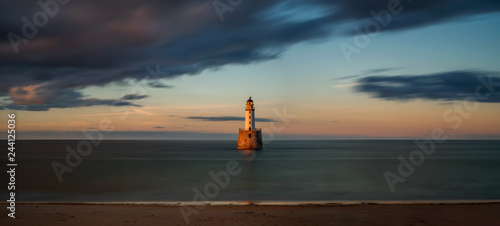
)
(250, 139)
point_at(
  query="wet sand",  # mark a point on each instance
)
(313, 214)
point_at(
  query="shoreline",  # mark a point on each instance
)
(249, 214)
(268, 203)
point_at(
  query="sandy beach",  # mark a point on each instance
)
(312, 214)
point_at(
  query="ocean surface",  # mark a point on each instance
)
(287, 170)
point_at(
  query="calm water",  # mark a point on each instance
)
(285, 170)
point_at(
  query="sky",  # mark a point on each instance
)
(316, 69)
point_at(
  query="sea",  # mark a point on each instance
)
(286, 170)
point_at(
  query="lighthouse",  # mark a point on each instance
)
(249, 137)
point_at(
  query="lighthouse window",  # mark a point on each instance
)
(250, 135)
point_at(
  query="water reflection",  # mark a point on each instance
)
(248, 154)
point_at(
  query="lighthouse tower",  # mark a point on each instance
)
(249, 115)
(250, 137)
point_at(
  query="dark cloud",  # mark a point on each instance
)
(39, 98)
(94, 43)
(446, 86)
(229, 118)
(134, 97)
(158, 127)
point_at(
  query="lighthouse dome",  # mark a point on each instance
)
(250, 99)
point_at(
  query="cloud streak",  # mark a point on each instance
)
(134, 97)
(229, 118)
(446, 86)
(370, 72)
(344, 86)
